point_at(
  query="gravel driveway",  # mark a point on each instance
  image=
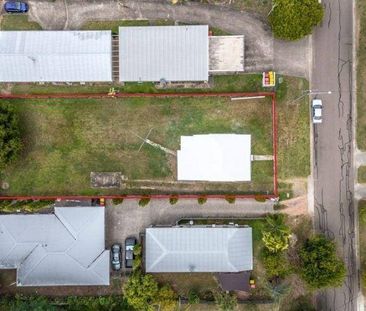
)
(262, 52)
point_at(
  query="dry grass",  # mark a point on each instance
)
(17, 22)
(64, 140)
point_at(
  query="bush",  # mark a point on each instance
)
(110, 303)
(25, 205)
(10, 139)
(276, 233)
(294, 19)
(225, 301)
(144, 201)
(362, 213)
(193, 297)
(137, 263)
(230, 199)
(137, 250)
(275, 264)
(302, 303)
(202, 200)
(320, 266)
(173, 200)
(117, 201)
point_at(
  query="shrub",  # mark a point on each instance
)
(225, 301)
(137, 250)
(230, 199)
(294, 19)
(320, 265)
(260, 198)
(362, 213)
(117, 201)
(173, 200)
(10, 139)
(276, 233)
(275, 264)
(202, 200)
(193, 297)
(144, 201)
(137, 263)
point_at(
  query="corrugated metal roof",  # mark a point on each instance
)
(55, 56)
(198, 249)
(64, 248)
(173, 53)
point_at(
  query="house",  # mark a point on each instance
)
(215, 157)
(55, 56)
(66, 247)
(198, 249)
(170, 53)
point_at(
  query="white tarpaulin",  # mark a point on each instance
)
(215, 157)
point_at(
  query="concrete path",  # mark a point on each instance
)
(360, 158)
(129, 219)
(261, 51)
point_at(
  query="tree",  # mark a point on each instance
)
(276, 233)
(225, 301)
(141, 291)
(10, 142)
(320, 266)
(294, 19)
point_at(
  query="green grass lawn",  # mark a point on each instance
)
(361, 76)
(17, 22)
(64, 140)
(362, 174)
(362, 238)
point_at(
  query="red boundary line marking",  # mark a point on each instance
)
(159, 95)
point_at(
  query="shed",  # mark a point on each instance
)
(170, 53)
(215, 157)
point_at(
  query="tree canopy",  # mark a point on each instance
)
(294, 19)
(10, 142)
(225, 301)
(142, 293)
(320, 265)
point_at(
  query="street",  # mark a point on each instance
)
(333, 146)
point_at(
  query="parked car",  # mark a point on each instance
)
(116, 257)
(129, 246)
(317, 107)
(16, 7)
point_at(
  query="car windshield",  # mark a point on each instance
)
(17, 5)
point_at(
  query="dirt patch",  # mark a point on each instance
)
(295, 207)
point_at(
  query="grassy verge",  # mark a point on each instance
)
(261, 7)
(361, 76)
(362, 238)
(113, 25)
(362, 174)
(24, 206)
(65, 140)
(17, 22)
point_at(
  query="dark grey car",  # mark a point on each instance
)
(129, 245)
(116, 257)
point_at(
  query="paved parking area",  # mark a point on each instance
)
(129, 219)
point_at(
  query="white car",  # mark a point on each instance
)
(317, 106)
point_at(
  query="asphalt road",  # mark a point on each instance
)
(333, 146)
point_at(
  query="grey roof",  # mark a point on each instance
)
(173, 53)
(64, 248)
(198, 249)
(55, 56)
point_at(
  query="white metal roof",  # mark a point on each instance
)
(55, 56)
(215, 157)
(198, 249)
(172, 53)
(64, 248)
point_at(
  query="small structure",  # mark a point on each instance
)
(215, 157)
(163, 53)
(64, 248)
(198, 249)
(226, 54)
(234, 281)
(55, 56)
